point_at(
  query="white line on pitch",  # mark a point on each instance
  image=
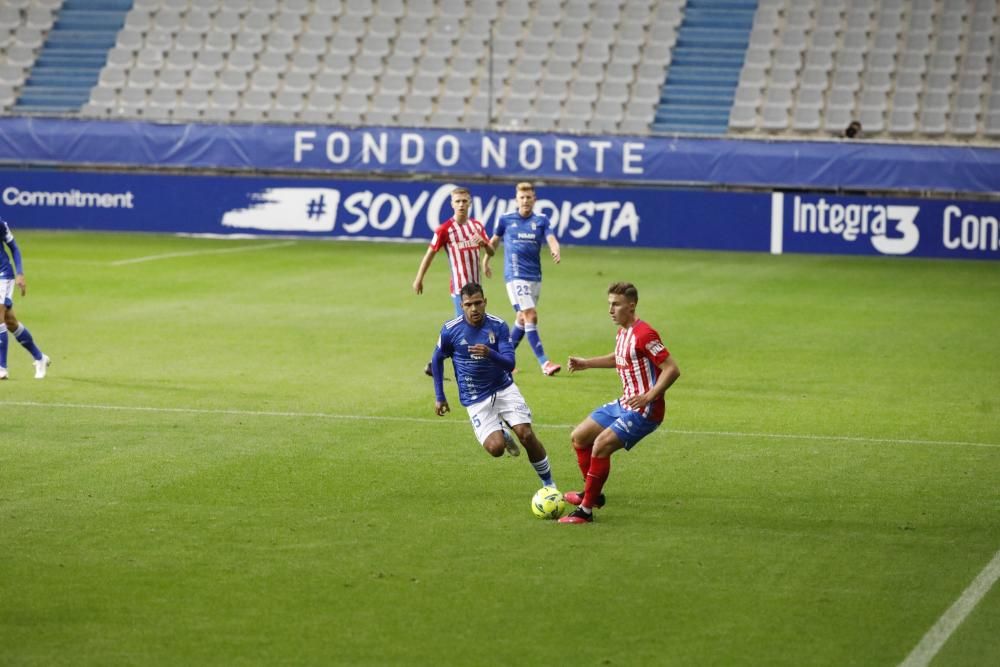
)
(192, 253)
(924, 652)
(438, 420)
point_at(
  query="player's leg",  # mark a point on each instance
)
(517, 330)
(536, 452)
(529, 297)
(489, 428)
(24, 337)
(3, 351)
(514, 410)
(6, 290)
(607, 443)
(583, 438)
(624, 433)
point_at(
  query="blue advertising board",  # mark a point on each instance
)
(457, 154)
(388, 210)
(392, 210)
(804, 223)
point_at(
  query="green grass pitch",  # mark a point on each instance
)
(235, 460)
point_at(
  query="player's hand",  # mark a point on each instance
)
(19, 281)
(638, 402)
(487, 271)
(555, 256)
(576, 364)
(441, 408)
(479, 351)
(418, 286)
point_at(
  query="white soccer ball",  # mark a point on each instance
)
(548, 503)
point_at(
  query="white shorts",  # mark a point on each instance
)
(6, 291)
(524, 294)
(507, 404)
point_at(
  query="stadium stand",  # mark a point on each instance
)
(908, 70)
(705, 66)
(78, 34)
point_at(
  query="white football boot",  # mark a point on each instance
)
(42, 366)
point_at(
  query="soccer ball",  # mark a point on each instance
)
(548, 503)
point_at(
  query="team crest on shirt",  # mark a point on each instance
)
(493, 339)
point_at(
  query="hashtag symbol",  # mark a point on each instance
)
(316, 207)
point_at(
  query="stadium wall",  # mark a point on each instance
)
(393, 184)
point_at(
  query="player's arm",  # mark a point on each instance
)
(669, 372)
(553, 247)
(437, 369)
(15, 253)
(492, 244)
(486, 244)
(581, 364)
(425, 263)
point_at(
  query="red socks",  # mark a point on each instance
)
(597, 475)
(583, 460)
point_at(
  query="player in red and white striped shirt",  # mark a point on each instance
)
(646, 370)
(462, 237)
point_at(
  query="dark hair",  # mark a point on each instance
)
(627, 290)
(852, 130)
(472, 288)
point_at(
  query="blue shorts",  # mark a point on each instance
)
(628, 425)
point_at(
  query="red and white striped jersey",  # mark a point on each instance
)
(462, 243)
(638, 355)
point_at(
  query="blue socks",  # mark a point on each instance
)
(544, 471)
(516, 334)
(3, 346)
(536, 343)
(23, 337)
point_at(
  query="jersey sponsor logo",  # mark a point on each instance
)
(654, 347)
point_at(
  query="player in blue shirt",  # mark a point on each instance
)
(523, 233)
(11, 276)
(483, 357)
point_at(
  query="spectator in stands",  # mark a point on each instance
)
(524, 232)
(853, 130)
(11, 276)
(462, 236)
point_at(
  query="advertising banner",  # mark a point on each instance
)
(388, 210)
(400, 211)
(882, 226)
(456, 154)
